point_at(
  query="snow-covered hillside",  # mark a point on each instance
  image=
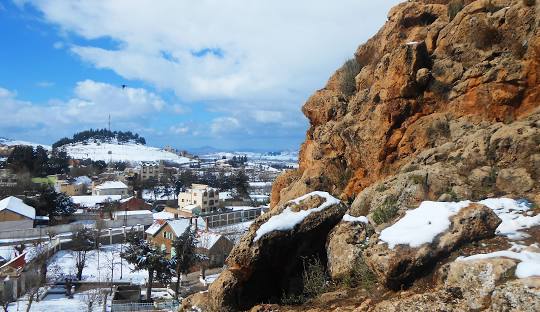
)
(9, 142)
(130, 152)
(287, 156)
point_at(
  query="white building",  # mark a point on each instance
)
(15, 214)
(111, 188)
(199, 196)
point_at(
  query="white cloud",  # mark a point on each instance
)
(254, 50)
(179, 129)
(91, 104)
(45, 84)
(253, 62)
(58, 45)
(224, 125)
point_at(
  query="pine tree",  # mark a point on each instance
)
(185, 255)
(144, 256)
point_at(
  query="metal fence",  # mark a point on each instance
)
(232, 217)
(169, 305)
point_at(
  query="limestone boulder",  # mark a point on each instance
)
(478, 279)
(401, 265)
(268, 260)
(345, 244)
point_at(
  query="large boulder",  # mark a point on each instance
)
(517, 295)
(345, 244)
(397, 265)
(477, 279)
(268, 260)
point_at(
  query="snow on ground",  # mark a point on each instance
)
(421, 225)
(260, 184)
(348, 218)
(148, 195)
(9, 142)
(130, 152)
(288, 219)
(56, 303)
(529, 261)
(511, 212)
(63, 264)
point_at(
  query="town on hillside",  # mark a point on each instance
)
(69, 223)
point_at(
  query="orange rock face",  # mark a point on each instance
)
(483, 65)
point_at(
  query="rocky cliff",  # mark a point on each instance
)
(448, 84)
(419, 181)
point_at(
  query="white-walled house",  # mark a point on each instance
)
(111, 188)
(15, 214)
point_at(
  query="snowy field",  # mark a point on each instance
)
(97, 268)
(56, 303)
(9, 142)
(121, 152)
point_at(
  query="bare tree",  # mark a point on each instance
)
(92, 298)
(83, 242)
(33, 289)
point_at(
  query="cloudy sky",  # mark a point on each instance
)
(232, 74)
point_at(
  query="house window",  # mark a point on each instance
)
(164, 234)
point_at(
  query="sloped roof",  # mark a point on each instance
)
(155, 227)
(207, 240)
(179, 226)
(111, 185)
(18, 206)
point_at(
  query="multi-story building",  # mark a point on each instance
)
(199, 197)
(7, 178)
(151, 170)
(70, 188)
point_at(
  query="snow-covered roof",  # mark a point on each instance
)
(83, 180)
(18, 206)
(190, 207)
(92, 201)
(164, 215)
(207, 239)
(225, 195)
(111, 185)
(132, 212)
(179, 226)
(155, 227)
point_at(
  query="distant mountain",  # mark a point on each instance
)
(10, 142)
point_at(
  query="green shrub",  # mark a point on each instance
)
(387, 211)
(440, 128)
(315, 282)
(381, 188)
(454, 7)
(347, 82)
(418, 179)
(314, 277)
(360, 276)
(529, 2)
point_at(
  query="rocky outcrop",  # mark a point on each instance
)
(268, 260)
(401, 265)
(435, 75)
(477, 279)
(345, 244)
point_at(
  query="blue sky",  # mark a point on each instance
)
(229, 74)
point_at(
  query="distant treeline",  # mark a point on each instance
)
(101, 135)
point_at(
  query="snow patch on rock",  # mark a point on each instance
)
(423, 224)
(529, 261)
(348, 218)
(288, 219)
